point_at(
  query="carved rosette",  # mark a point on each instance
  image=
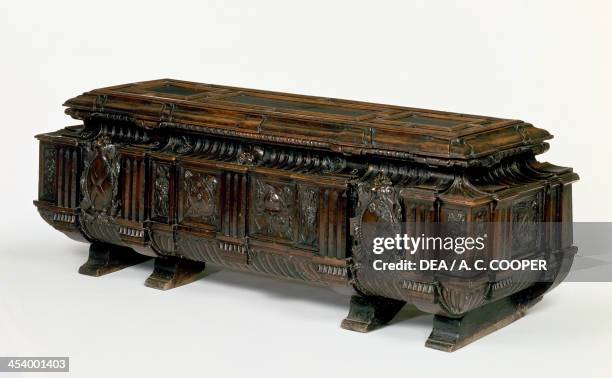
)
(250, 155)
(246, 158)
(100, 180)
(200, 200)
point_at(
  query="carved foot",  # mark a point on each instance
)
(107, 258)
(171, 272)
(450, 334)
(369, 313)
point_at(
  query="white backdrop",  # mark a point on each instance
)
(546, 62)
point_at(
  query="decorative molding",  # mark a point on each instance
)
(420, 287)
(249, 154)
(242, 134)
(64, 218)
(232, 248)
(332, 270)
(498, 285)
(131, 232)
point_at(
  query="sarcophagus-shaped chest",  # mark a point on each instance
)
(296, 186)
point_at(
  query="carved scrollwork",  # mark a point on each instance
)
(456, 223)
(99, 180)
(333, 164)
(480, 222)
(161, 191)
(250, 156)
(246, 158)
(377, 203)
(378, 214)
(457, 299)
(179, 144)
(380, 199)
(308, 199)
(201, 193)
(525, 225)
(49, 175)
(273, 209)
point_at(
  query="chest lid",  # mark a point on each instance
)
(350, 127)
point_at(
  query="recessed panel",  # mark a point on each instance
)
(248, 99)
(431, 121)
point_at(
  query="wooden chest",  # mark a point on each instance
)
(283, 184)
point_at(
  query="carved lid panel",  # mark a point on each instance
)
(326, 123)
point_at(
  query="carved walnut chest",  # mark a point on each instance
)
(193, 174)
